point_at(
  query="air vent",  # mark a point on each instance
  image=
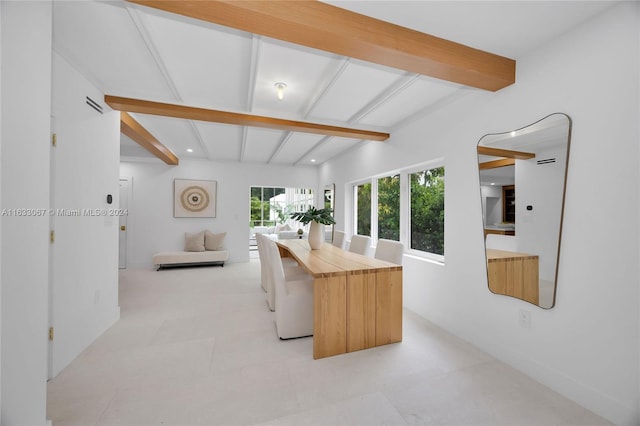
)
(93, 104)
(547, 161)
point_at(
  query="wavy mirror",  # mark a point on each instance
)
(522, 186)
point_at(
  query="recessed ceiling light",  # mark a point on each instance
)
(189, 150)
(313, 160)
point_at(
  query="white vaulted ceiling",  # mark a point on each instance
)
(136, 52)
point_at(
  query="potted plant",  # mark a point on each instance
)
(317, 218)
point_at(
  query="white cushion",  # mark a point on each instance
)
(194, 242)
(214, 241)
(285, 227)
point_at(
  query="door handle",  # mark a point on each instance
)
(123, 228)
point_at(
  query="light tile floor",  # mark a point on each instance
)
(198, 346)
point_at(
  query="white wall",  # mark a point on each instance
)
(153, 228)
(1, 38)
(540, 186)
(84, 262)
(491, 204)
(587, 346)
(26, 105)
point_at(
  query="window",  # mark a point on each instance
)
(427, 211)
(271, 206)
(261, 214)
(407, 206)
(389, 207)
(362, 203)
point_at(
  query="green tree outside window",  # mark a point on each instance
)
(389, 208)
(363, 203)
(427, 210)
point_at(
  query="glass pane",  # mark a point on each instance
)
(272, 206)
(363, 209)
(389, 208)
(427, 210)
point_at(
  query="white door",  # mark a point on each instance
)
(52, 223)
(125, 188)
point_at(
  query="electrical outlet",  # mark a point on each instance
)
(524, 318)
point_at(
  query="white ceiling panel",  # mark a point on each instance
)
(174, 133)
(222, 140)
(130, 148)
(304, 71)
(358, 85)
(101, 41)
(297, 146)
(215, 59)
(328, 149)
(261, 144)
(421, 92)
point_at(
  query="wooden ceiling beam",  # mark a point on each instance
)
(130, 127)
(497, 163)
(202, 114)
(329, 28)
(506, 153)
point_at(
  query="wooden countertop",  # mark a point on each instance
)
(330, 260)
(497, 255)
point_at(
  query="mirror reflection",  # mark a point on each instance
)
(329, 195)
(522, 186)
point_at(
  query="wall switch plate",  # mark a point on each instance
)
(524, 318)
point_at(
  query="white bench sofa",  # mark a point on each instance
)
(202, 248)
(190, 258)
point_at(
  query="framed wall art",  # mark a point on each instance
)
(194, 198)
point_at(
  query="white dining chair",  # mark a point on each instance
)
(263, 261)
(360, 244)
(293, 298)
(338, 239)
(290, 266)
(389, 250)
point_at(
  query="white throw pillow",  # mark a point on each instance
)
(284, 227)
(194, 242)
(214, 241)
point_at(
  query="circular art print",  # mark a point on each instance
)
(194, 198)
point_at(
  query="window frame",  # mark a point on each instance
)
(303, 198)
(405, 206)
(434, 164)
(377, 196)
(354, 205)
